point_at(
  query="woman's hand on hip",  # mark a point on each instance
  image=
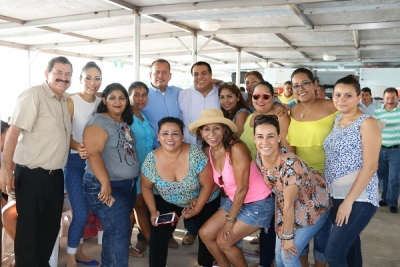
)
(289, 248)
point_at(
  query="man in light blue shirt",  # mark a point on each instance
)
(200, 96)
(367, 103)
(163, 98)
(162, 102)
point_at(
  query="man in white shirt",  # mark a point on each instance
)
(203, 94)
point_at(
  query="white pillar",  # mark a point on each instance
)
(238, 68)
(29, 69)
(136, 47)
(194, 49)
(266, 71)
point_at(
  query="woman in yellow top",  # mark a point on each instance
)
(311, 122)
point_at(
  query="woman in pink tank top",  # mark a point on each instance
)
(250, 205)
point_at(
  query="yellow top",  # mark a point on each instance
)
(308, 138)
(284, 99)
(248, 136)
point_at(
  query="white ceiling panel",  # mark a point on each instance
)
(291, 33)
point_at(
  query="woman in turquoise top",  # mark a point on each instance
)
(177, 177)
(138, 94)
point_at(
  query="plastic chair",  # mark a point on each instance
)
(4, 234)
(54, 255)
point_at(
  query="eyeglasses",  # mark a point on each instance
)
(304, 85)
(258, 119)
(222, 186)
(264, 96)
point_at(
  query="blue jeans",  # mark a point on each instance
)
(320, 241)
(389, 175)
(73, 179)
(115, 220)
(301, 239)
(344, 244)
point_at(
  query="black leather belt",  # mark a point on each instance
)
(40, 169)
(389, 147)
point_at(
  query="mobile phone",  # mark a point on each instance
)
(166, 218)
(111, 202)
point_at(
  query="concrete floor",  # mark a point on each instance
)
(380, 245)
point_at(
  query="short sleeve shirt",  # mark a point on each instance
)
(179, 193)
(46, 129)
(119, 153)
(313, 197)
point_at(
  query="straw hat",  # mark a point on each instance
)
(212, 116)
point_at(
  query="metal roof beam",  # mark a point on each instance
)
(219, 5)
(283, 38)
(356, 39)
(351, 8)
(70, 34)
(294, 29)
(122, 4)
(83, 43)
(184, 45)
(71, 18)
(64, 53)
(14, 20)
(297, 11)
(13, 45)
(205, 43)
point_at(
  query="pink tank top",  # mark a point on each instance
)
(258, 190)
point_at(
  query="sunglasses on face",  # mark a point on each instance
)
(265, 96)
(222, 186)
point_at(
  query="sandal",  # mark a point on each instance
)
(135, 252)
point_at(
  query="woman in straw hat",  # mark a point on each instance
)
(250, 205)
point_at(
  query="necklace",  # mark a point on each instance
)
(171, 162)
(219, 153)
(302, 109)
(345, 125)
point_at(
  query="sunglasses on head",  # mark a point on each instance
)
(227, 83)
(264, 96)
(261, 118)
(222, 186)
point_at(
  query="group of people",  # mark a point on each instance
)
(230, 167)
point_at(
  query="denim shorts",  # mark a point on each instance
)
(257, 213)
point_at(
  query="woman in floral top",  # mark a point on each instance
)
(176, 177)
(302, 196)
